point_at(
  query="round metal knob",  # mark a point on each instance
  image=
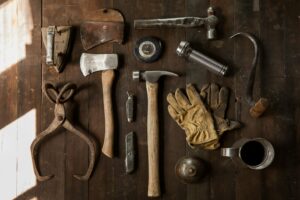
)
(190, 169)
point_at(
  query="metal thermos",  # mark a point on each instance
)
(190, 54)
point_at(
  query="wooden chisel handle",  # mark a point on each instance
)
(107, 81)
(152, 137)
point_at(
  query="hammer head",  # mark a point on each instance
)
(211, 23)
(90, 63)
(151, 76)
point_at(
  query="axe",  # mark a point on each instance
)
(90, 63)
(102, 26)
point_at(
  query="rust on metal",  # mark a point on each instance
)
(57, 41)
(60, 120)
(94, 33)
(101, 26)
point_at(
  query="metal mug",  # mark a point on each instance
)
(256, 153)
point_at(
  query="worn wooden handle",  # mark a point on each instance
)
(152, 137)
(259, 108)
(107, 81)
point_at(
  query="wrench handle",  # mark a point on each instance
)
(107, 82)
(152, 137)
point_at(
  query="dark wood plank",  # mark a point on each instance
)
(246, 20)
(53, 155)
(277, 26)
(292, 52)
(154, 10)
(171, 149)
(198, 76)
(103, 182)
(125, 186)
(223, 51)
(77, 151)
(281, 85)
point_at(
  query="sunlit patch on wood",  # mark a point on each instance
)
(16, 25)
(16, 170)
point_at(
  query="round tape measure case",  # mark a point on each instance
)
(148, 49)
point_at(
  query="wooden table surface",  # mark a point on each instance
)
(275, 23)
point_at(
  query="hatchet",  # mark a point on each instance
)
(90, 63)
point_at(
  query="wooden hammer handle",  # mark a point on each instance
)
(107, 81)
(152, 137)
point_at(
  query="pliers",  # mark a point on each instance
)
(60, 120)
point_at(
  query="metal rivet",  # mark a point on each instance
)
(60, 118)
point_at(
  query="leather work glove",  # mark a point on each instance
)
(217, 100)
(193, 117)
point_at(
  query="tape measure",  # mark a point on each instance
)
(148, 49)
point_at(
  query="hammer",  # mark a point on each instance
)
(210, 22)
(151, 78)
(90, 63)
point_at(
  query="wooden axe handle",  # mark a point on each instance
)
(152, 137)
(107, 81)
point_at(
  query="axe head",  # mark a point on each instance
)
(95, 33)
(90, 63)
(101, 26)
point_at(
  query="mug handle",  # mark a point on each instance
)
(229, 152)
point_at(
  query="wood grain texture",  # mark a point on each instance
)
(245, 20)
(171, 150)
(108, 143)
(198, 75)
(153, 140)
(276, 24)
